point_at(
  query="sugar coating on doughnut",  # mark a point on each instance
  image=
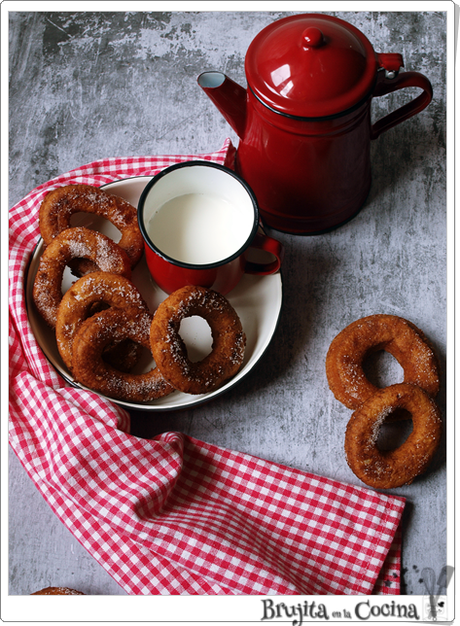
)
(70, 244)
(78, 303)
(89, 368)
(170, 351)
(401, 338)
(57, 591)
(393, 468)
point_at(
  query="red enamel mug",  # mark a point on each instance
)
(304, 120)
(200, 223)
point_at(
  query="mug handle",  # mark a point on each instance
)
(263, 242)
(400, 81)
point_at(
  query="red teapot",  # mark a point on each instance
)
(304, 122)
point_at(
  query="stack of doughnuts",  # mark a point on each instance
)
(102, 323)
(82, 249)
(99, 345)
(61, 203)
(372, 406)
(88, 341)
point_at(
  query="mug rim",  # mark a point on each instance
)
(192, 163)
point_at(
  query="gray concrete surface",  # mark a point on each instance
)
(84, 86)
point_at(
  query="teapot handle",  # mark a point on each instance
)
(401, 81)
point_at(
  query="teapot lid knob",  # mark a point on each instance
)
(312, 37)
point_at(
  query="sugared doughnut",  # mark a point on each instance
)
(77, 304)
(70, 244)
(57, 591)
(60, 204)
(89, 368)
(399, 337)
(170, 351)
(393, 468)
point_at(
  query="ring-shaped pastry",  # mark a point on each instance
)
(401, 338)
(393, 468)
(70, 244)
(170, 351)
(91, 370)
(57, 591)
(60, 204)
(84, 298)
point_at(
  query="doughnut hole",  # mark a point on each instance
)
(382, 369)
(96, 222)
(129, 356)
(196, 334)
(92, 221)
(394, 432)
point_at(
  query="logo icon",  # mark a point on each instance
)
(435, 604)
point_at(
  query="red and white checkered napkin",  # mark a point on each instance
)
(174, 515)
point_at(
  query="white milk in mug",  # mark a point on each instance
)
(198, 228)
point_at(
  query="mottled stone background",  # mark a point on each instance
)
(84, 86)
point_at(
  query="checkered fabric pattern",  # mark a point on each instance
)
(174, 515)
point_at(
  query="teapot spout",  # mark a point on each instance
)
(228, 96)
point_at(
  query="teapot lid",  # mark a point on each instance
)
(311, 65)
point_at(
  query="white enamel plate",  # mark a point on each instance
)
(257, 300)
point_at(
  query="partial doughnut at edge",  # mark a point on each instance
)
(57, 591)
